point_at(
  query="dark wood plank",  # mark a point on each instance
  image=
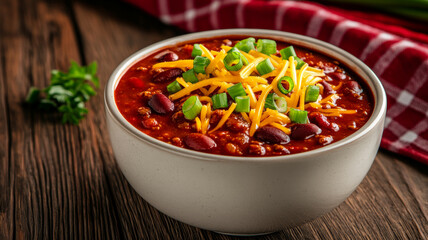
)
(6, 178)
(375, 210)
(59, 189)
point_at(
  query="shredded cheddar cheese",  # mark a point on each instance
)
(198, 124)
(206, 99)
(218, 79)
(182, 82)
(245, 116)
(174, 64)
(280, 127)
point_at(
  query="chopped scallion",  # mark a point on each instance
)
(190, 76)
(298, 116)
(266, 46)
(289, 51)
(265, 67)
(200, 63)
(242, 104)
(276, 102)
(290, 83)
(192, 107)
(197, 51)
(173, 87)
(246, 45)
(236, 91)
(234, 60)
(312, 93)
(219, 100)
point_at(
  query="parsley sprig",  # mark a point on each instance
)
(67, 92)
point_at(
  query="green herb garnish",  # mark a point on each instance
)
(67, 92)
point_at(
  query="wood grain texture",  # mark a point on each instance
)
(62, 181)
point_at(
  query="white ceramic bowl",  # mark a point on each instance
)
(244, 195)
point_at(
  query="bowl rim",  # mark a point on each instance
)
(371, 79)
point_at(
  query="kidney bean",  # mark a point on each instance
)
(168, 57)
(327, 88)
(304, 131)
(161, 104)
(319, 119)
(352, 87)
(272, 135)
(199, 142)
(337, 75)
(167, 75)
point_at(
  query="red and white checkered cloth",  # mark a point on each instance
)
(397, 55)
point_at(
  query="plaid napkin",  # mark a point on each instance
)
(397, 55)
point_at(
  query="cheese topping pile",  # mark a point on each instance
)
(217, 79)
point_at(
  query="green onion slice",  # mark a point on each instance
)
(246, 45)
(234, 60)
(197, 51)
(219, 100)
(242, 104)
(298, 116)
(190, 76)
(312, 93)
(289, 51)
(192, 107)
(200, 63)
(266, 46)
(290, 83)
(275, 102)
(173, 87)
(236, 91)
(243, 58)
(265, 67)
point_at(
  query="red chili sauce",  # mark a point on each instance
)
(138, 85)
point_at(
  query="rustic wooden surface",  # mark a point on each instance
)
(62, 182)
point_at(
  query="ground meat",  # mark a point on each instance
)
(146, 95)
(280, 149)
(235, 123)
(241, 139)
(216, 116)
(151, 123)
(144, 112)
(184, 125)
(180, 121)
(178, 117)
(233, 149)
(255, 149)
(177, 141)
(324, 140)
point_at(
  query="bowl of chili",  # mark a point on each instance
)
(244, 131)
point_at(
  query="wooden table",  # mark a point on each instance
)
(62, 182)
